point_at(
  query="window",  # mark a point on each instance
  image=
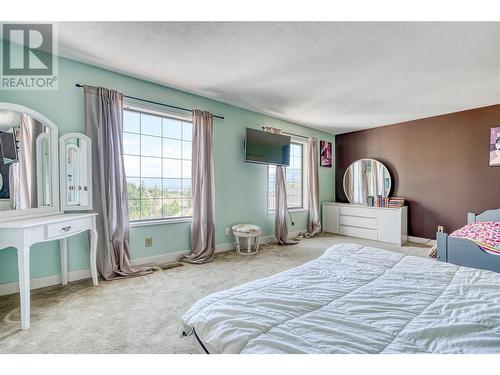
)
(157, 158)
(295, 187)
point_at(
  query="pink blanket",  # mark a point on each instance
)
(486, 234)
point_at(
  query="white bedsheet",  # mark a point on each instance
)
(355, 299)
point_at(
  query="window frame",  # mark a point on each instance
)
(168, 114)
(303, 142)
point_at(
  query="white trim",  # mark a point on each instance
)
(146, 223)
(157, 112)
(291, 210)
(44, 281)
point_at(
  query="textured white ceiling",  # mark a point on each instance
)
(334, 76)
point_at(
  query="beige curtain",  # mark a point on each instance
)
(14, 186)
(281, 209)
(103, 124)
(314, 221)
(203, 225)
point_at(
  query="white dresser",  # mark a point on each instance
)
(373, 223)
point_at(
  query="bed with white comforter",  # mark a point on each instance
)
(355, 299)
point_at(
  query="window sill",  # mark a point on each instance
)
(291, 210)
(160, 222)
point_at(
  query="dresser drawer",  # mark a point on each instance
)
(370, 234)
(358, 211)
(66, 227)
(359, 221)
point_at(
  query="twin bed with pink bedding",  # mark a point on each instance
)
(475, 245)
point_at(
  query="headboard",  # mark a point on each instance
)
(490, 215)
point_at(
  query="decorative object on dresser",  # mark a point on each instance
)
(372, 223)
(379, 201)
(325, 158)
(466, 252)
(35, 193)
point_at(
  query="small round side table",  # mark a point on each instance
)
(250, 233)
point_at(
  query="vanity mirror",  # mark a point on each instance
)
(30, 165)
(76, 171)
(28, 162)
(364, 178)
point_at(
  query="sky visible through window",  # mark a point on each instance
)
(157, 158)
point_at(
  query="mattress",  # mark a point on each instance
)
(355, 299)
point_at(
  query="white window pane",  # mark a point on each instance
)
(295, 149)
(271, 202)
(151, 209)
(187, 150)
(150, 146)
(134, 209)
(151, 188)
(172, 187)
(150, 124)
(132, 165)
(186, 169)
(172, 207)
(187, 207)
(133, 188)
(172, 148)
(150, 167)
(172, 128)
(172, 168)
(131, 144)
(157, 157)
(295, 162)
(187, 131)
(294, 179)
(131, 122)
(186, 187)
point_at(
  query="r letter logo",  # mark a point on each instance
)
(29, 56)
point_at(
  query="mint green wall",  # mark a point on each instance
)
(241, 188)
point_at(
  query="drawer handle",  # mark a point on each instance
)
(66, 229)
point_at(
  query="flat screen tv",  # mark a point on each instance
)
(7, 147)
(267, 148)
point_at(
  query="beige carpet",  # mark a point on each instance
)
(141, 315)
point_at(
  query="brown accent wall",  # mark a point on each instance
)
(439, 164)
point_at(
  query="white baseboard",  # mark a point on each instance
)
(421, 240)
(41, 282)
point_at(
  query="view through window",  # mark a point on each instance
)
(157, 158)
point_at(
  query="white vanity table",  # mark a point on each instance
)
(35, 158)
(22, 233)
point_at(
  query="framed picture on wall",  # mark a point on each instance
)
(495, 147)
(325, 154)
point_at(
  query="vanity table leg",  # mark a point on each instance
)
(63, 244)
(23, 263)
(93, 256)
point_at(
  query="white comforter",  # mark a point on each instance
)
(355, 299)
